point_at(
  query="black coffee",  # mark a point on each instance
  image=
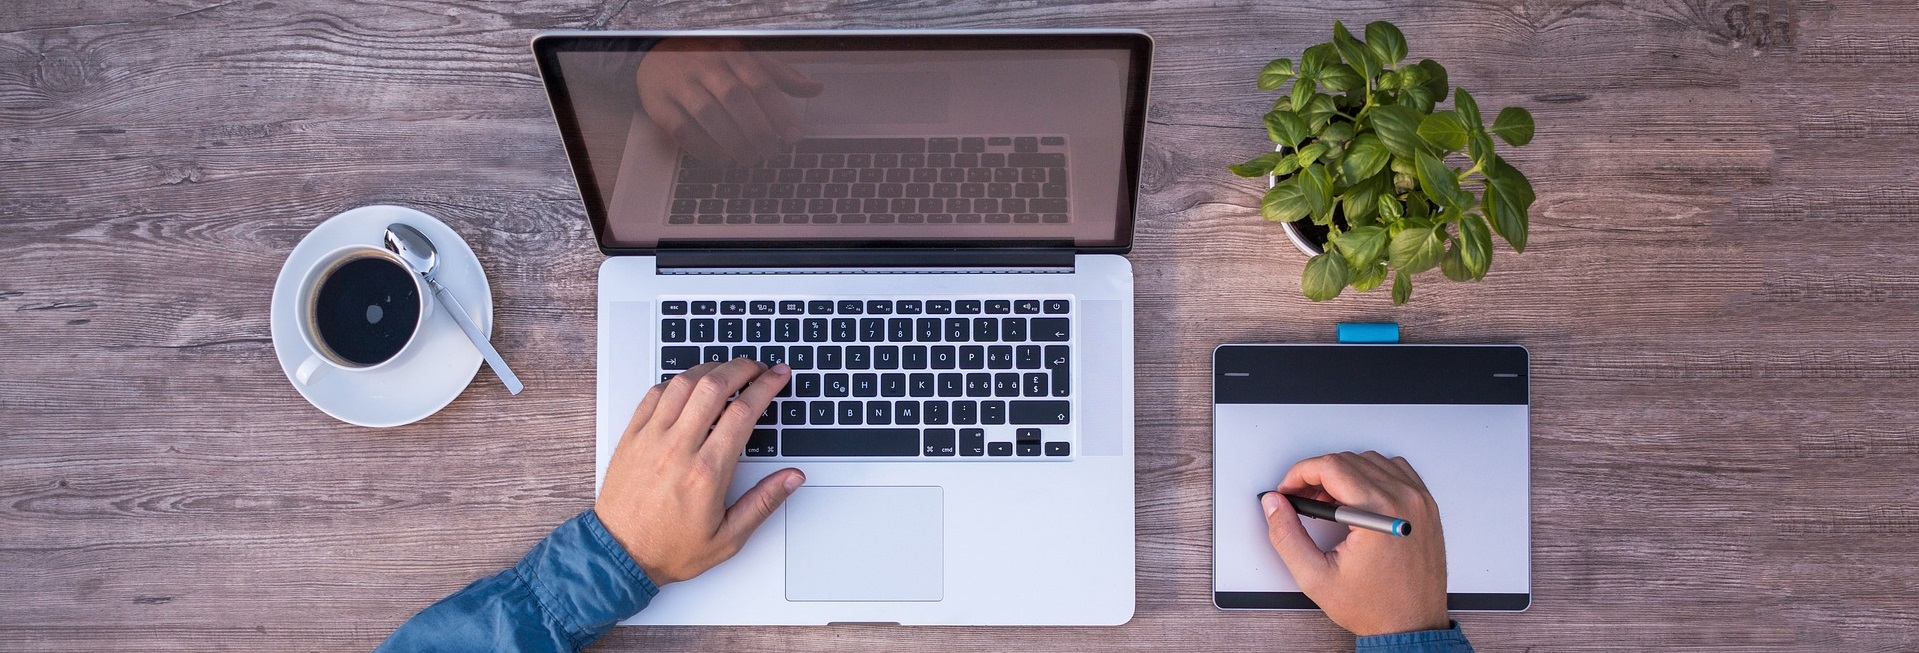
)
(366, 309)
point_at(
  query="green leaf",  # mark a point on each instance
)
(1444, 130)
(1303, 91)
(1514, 125)
(1361, 201)
(1418, 207)
(1402, 287)
(1390, 208)
(1311, 153)
(1365, 157)
(1369, 277)
(1439, 181)
(1508, 198)
(1389, 80)
(1318, 112)
(1451, 265)
(1325, 276)
(1416, 250)
(1468, 109)
(1475, 245)
(1275, 74)
(1341, 78)
(1436, 81)
(1260, 166)
(1316, 185)
(1337, 132)
(1286, 128)
(1480, 147)
(1316, 59)
(1362, 246)
(1386, 41)
(1288, 164)
(1354, 51)
(1285, 202)
(1417, 98)
(1398, 129)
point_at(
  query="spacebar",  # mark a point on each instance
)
(850, 442)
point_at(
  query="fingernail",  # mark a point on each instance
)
(782, 368)
(1270, 502)
(794, 480)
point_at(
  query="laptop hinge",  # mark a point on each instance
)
(864, 261)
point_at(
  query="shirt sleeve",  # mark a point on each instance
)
(568, 591)
(1451, 640)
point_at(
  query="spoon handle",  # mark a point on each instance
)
(472, 330)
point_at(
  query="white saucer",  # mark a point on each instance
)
(404, 392)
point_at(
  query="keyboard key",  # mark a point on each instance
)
(866, 385)
(1036, 384)
(972, 442)
(899, 329)
(1057, 360)
(1013, 329)
(966, 306)
(673, 308)
(792, 307)
(920, 385)
(907, 307)
(929, 329)
(702, 330)
(761, 307)
(1006, 384)
(813, 329)
(786, 329)
(859, 357)
(763, 442)
(1026, 306)
(886, 357)
(992, 412)
(940, 442)
(771, 355)
(1028, 449)
(806, 385)
(1059, 448)
(965, 412)
(1025, 144)
(939, 306)
(673, 330)
(998, 307)
(1028, 357)
(913, 358)
(893, 385)
(748, 352)
(951, 384)
(845, 329)
(906, 412)
(851, 307)
(1057, 306)
(1040, 412)
(852, 413)
(706, 308)
(944, 357)
(985, 329)
(957, 329)
(1026, 436)
(799, 357)
(792, 413)
(879, 307)
(820, 307)
(829, 357)
(935, 412)
(679, 358)
(999, 448)
(732, 329)
(972, 357)
(850, 442)
(759, 329)
(733, 308)
(1050, 329)
(879, 413)
(979, 384)
(999, 357)
(818, 413)
(838, 385)
(713, 354)
(872, 329)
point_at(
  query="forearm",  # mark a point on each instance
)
(570, 589)
(1452, 640)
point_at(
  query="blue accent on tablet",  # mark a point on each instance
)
(1368, 332)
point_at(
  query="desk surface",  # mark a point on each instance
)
(1720, 298)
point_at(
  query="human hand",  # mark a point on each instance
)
(664, 498)
(726, 105)
(1372, 583)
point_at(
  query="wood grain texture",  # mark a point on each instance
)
(1721, 298)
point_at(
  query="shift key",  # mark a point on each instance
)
(1040, 412)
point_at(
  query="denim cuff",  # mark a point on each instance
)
(1451, 640)
(584, 580)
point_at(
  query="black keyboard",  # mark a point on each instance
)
(957, 377)
(946, 180)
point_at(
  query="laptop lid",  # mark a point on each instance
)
(846, 140)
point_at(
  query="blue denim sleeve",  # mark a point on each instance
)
(570, 589)
(1451, 640)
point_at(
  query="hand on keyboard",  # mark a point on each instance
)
(722, 103)
(664, 498)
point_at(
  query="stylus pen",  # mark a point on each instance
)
(1347, 515)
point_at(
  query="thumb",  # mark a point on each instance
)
(1290, 540)
(746, 515)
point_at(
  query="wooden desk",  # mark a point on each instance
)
(1721, 301)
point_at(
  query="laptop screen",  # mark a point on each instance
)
(851, 139)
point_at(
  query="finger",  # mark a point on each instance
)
(1413, 474)
(1386, 467)
(752, 69)
(678, 389)
(1289, 538)
(709, 397)
(645, 410)
(709, 112)
(694, 139)
(1338, 477)
(736, 423)
(736, 96)
(746, 515)
(791, 81)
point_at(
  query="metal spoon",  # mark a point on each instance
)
(414, 248)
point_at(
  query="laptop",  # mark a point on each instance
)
(928, 226)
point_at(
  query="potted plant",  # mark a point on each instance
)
(1362, 173)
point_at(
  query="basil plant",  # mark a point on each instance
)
(1363, 153)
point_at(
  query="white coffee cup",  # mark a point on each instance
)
(322, 358)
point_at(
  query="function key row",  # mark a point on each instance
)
(868, 307)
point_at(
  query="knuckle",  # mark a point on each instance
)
(681, 383)
(712, 386)
(739, 411)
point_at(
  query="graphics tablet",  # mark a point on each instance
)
(1458, 413)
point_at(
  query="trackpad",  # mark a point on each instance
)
(865, 544)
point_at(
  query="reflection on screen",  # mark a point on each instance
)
(801, 139)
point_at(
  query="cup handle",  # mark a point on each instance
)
(311, 370)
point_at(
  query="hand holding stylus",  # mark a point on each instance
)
(1372, 583)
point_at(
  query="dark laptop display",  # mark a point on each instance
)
(834, 140)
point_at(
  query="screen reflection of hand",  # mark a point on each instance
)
(723, 104)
